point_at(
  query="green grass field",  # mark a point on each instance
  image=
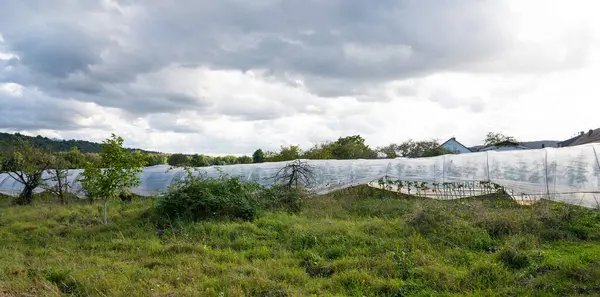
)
(356, 242)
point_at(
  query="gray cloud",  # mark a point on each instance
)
(118, 53)
(346, 44)
(34, 111)
(56, 51)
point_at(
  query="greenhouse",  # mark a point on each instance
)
(570, 175)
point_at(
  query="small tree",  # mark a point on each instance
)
(59, 172)
(258, 156)
(492, 138)
(295, 174)
(26, 164)
(114, 173)
(352, 147)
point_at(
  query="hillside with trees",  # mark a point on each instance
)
(55, 145)
(348, 147)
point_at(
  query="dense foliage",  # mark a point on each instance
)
(195, 198)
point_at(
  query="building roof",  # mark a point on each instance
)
(506, 143)
(501, 145)
(569, 141)
(540, 144)
(590, 136)
(453, 138)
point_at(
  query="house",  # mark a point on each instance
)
(454, 146)
(583, 138)
(505, 146)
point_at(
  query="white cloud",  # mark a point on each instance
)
(12, 89)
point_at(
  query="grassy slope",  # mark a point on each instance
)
(358, 242)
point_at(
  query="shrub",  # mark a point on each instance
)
(196, 199)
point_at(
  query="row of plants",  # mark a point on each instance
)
(444, 190)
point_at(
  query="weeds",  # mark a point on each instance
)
(195, 198)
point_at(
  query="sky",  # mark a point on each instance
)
(231, 76)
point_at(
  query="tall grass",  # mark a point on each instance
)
(357, 242)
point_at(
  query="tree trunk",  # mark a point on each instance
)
(26, 196)
(105, 220)
(61, 194)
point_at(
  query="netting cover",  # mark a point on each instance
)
(570, 175)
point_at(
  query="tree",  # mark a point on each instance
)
(288, 153)
(59, 172)
(295, 174)
(91, 158)
(230, 160)
(178, 160)
(199, 161)
(244, 160)
(26, 164)
(154, 159)
(258, 156)
(391, 150)
(73, 158)
(414, 149)
(321, 151)
(114, 173)
(352, 147)
(492, 138)
(217, 161)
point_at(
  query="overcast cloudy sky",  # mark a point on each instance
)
(230, 76)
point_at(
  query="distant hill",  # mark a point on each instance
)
(55, 145)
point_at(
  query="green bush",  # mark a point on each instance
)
(196, 199)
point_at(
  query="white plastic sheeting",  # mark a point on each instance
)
(570, 175)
